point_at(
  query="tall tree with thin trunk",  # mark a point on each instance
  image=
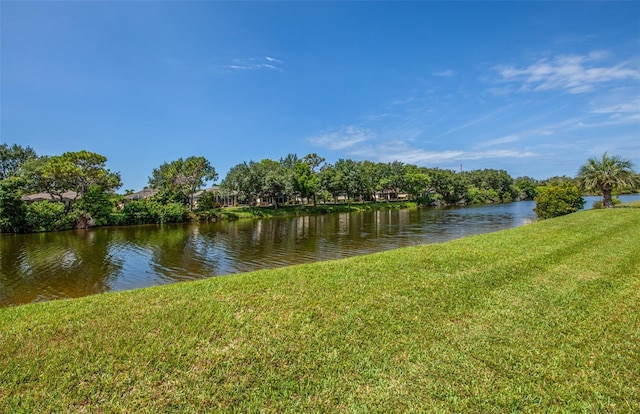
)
(606, 175)
(314, 161)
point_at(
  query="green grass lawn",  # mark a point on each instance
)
(541, 318)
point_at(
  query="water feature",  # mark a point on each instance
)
(46, 266)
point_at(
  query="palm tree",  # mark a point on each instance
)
(607, 174)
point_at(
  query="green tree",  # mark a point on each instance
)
(526, 187)
(182, 178)
(348, 178)
(606, 175)
(196, 173)
(71, 171)
(416, 181)
(489, 185)
(274, 179)
(554, 201)
(13, 211)
(30, 174)
(57, 176)
(289, 161)
(306, 183)
(98, 205)
(12, 158)
(371, 178)
(394, 178)
(239, 180)
(48, 216)
(208, 201)
(557, 180)
(330, 181)
(449, 185)
(314, 161)
(90, 169)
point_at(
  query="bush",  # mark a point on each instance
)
(98, 205)
(152, 212)
(48, 216)
(13, 211)
(170, 213)
(137, 212)
(207, 202)
(558, 200)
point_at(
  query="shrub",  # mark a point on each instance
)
(13, 211)
(151, 212)
(97, 203)
(207, 202)
(137, 212)
(48, 216)
(169, 213)
(558, 200)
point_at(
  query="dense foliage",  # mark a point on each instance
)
(12, 157)
(558, 200)
(80, 191)
(183, 177)
(306, 180)
(13, 211)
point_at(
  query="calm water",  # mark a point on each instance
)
(46, 266)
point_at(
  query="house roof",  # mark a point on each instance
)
(213, 189)
(66, 196)
(141, 195)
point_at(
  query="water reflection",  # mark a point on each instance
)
(45, 266)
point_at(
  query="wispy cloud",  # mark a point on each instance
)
(574, 73)
(342, 138)
(247, 64)
(492, 116)
(620, 107)
(499, 141)
(409, 154)
(445, 73)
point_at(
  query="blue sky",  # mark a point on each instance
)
(534, 88)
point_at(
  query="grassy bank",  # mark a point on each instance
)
(541, 318)
(245, 212)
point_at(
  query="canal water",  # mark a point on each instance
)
(46, 266)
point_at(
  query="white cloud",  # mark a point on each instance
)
(575, 73)
(405, 101)
(341, 139)
(492, 116)
(624, 107)
(423, 157)
(499, 141)
(254, 64)
(400, 150)
(445, 73)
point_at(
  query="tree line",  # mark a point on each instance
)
(311, 179)
(291, 180)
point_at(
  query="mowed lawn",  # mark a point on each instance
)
(541, 318)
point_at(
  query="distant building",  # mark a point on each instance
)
(141, 195)
(222, 198)
(68, 198)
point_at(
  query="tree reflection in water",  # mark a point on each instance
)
(45, 266)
